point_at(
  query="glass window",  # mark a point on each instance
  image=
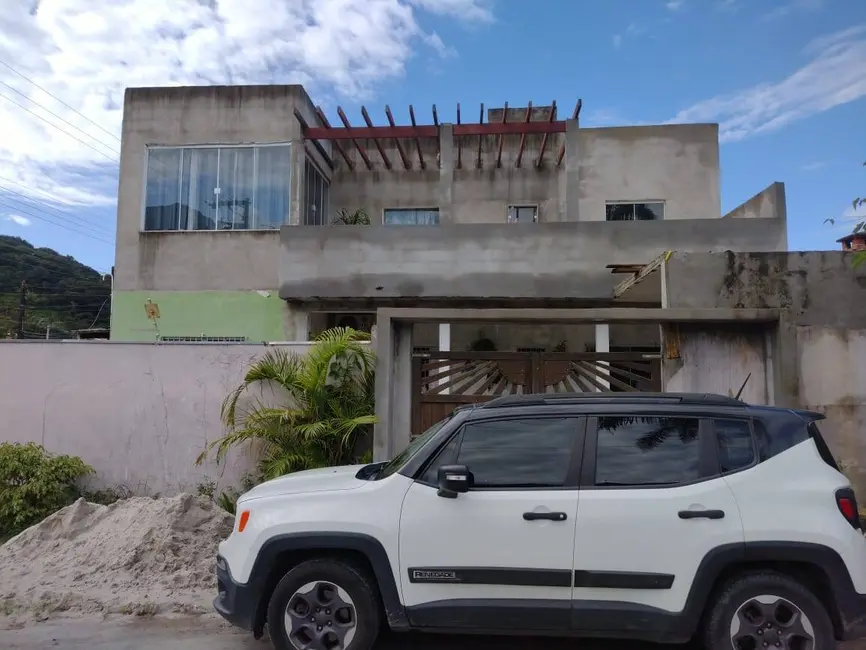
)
(636, 450)
(524, 453)
(446, 456)
(634, 211)
(736, 449)
(522, 213)
(411, 217)
(217, 188)
(316, 196)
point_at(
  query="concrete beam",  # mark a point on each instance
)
(573, 316)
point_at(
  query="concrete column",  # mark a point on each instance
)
(393, 428)
(446, 173)
(445, 346)
(572, 170)
(299, 158)
(602, 344)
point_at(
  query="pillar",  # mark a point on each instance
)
(444, 195)
(602, 344)
(444, 346)
(572, 170)
(393, 429)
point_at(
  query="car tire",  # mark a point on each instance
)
(768, 608)
(312, 602)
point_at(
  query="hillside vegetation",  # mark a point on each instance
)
(62, 294)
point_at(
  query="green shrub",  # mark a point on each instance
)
(34, 484)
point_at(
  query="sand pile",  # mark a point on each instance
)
(139, 555)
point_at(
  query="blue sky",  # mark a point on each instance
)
(785, 78)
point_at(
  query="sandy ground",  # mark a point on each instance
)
(210, 633)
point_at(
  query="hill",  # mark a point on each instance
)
(62, 293)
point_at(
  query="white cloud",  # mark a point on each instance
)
(813, 166)
(86, 54)
(18, 220)
(794, 7)
(617, 40)
(835, 75)
(674, 5)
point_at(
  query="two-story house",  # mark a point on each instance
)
(228, 194)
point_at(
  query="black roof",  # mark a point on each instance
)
(544, 399)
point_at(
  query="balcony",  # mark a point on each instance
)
(533, 262)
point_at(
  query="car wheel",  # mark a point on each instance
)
(767, 611)
(324, 605)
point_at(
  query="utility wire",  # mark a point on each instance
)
(62, 214)
(101, 153)
(29, 80)
(62, 225)
(62, 119)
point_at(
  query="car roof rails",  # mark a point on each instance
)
(546, 399)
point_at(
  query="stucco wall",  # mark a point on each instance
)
(257, 315)
(200, 115)
(139, 414)
(677, 164)
(554, 260)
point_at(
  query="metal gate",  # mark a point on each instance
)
(442, 381)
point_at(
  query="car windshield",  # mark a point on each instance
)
(403, 457)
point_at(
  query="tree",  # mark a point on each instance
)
(325, 406)
(860, 226)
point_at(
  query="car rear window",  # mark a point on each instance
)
(821, 444)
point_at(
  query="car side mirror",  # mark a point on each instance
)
(454, 480)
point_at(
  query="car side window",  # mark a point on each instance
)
(519, 453)
(644, 451)
(736, 447)
(446, 456)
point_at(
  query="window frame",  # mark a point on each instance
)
(634, 203)
(325, 187)
(572, 477)
(708, 453)
(429, 208)
(246, 145)
(715, 434)
(518, 206)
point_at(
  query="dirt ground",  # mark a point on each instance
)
(210, 633)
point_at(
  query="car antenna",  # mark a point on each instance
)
(740, 392)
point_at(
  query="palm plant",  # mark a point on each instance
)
(325, 406)
(357, 217)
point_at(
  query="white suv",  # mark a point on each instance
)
(657, 517)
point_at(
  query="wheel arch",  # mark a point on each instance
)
(281, 553)
(817, 567)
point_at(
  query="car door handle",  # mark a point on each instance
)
(549, 516)
(702, 514)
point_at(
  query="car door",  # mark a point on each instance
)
(500, 555)
(652, 506)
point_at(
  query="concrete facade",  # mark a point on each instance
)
(472, 254)
(815, 357)
(139, 414)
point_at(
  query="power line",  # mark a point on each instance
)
(61, 213)
(62, 225)
(62, 119)
(35, 189)
(29, 80)
(101, 153)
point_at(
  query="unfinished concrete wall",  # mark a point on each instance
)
(819, 348)
(767, 204)
(139, 414)
(719, 360)
(818, 287)
(677, 164)
(189, 116)
(553, 260)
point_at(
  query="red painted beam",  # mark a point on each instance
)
(327, 129)
(417, 141)
(407, 164)
(364, 156)
(430, 131)
(378, 144)
(540, 159)
(502, 137)
(523, 135)
(480, 138)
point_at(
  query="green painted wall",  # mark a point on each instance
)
(196, 313)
